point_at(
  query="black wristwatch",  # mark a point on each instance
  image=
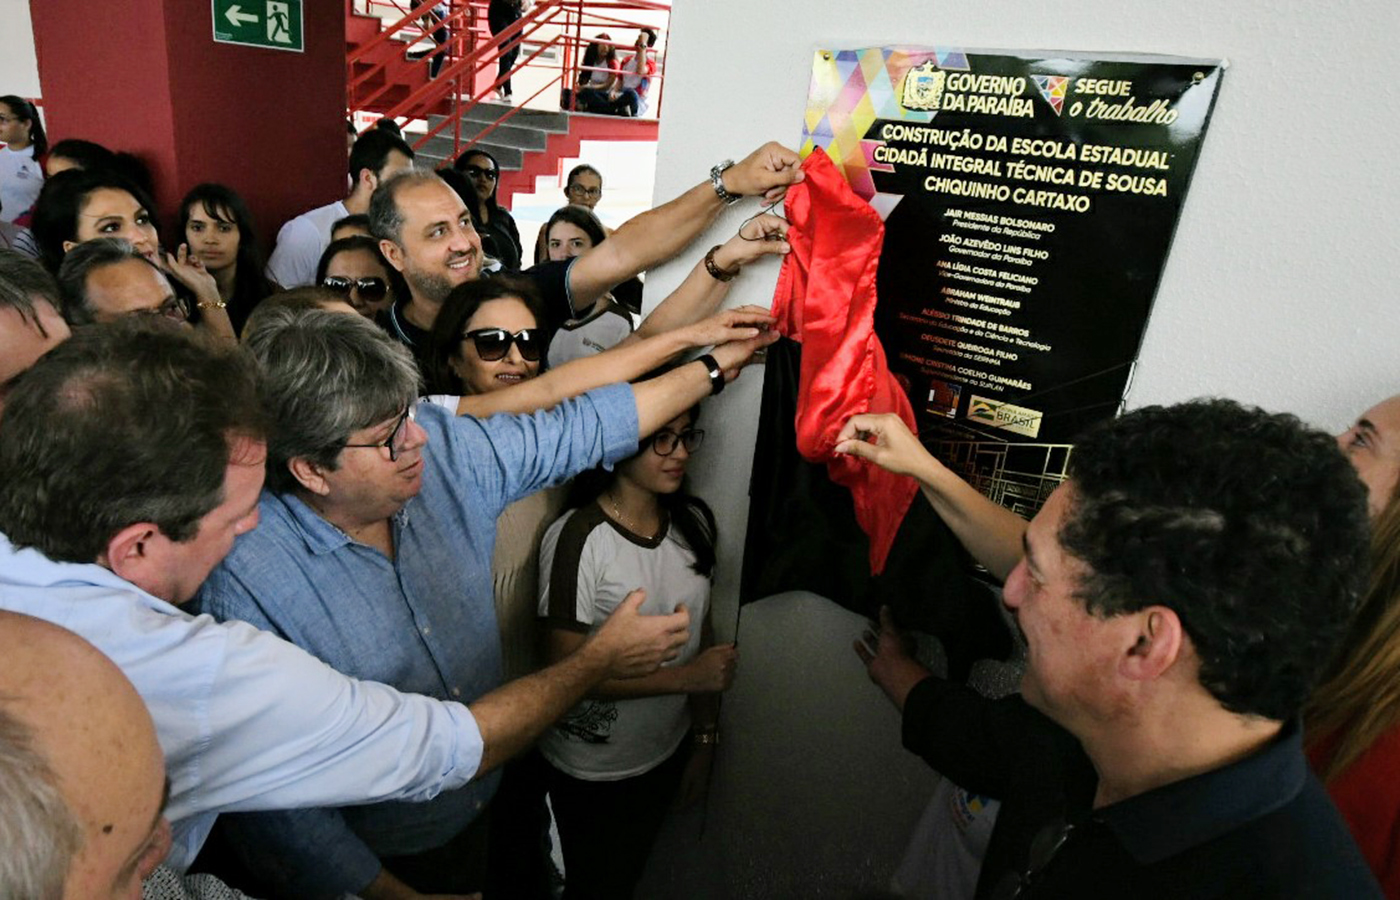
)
(715, 372)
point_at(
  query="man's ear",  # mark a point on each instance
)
(393, 253)
(309, 474)
(129, 552)
(1159, 644)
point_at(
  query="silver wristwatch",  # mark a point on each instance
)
(717, 181)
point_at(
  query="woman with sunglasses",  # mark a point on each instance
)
(21, 175)
(79, 205)
(620, 758)
(219, 229)
(490, 218)
(355, 268)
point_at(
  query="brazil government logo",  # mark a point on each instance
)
(923, 87)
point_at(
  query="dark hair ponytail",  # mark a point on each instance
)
(695, 526)
(27, 111)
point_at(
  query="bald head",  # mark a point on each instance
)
(77, 712)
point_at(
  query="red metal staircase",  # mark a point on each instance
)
(383, 79)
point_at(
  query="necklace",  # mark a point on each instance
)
(626, 521)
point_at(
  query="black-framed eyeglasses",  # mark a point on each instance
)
(494, 343)
(1047, 842)
(585, 191)
(665, 441)
(173, 308)
(479, 172)
(369, 288)
(395, 441)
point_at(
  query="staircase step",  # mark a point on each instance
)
(438, 153)
(490, 111)
(506, 135)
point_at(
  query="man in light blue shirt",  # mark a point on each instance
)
(132, 456)
(374, 554)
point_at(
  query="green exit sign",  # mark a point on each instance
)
(259, 23)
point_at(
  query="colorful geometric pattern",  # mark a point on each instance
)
(1052, 88)
(850, 90)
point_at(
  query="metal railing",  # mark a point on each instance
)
(555, 29)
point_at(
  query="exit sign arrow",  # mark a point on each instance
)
(237, 17)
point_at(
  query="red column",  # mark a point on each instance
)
(145, 76)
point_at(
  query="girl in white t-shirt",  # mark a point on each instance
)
(622, 756)
(21, 175)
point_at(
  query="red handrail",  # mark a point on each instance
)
(468, 54)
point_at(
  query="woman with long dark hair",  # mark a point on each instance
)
(1352, 723)
(355, 268)
(491, 219)
(80, 205)
(621, 757)
(21, 159)
(219, 229)
(598, 79)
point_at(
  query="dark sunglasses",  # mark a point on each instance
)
(494, 343)
(369, 288)
(664, 442)
(479, 172)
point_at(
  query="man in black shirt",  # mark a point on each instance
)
(426, 233)
(1179, 596)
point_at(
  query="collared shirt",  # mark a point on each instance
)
(246, 721)
(1259, 827)
(424, 621)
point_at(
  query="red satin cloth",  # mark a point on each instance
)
(825, 299)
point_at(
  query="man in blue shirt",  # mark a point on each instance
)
(374, 554)
(132, 456)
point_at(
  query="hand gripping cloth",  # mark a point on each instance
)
(825, 300)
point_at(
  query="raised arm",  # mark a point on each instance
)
(702, 291)
(659, 400)
(991, 533)
(659, 234)
(628, 360)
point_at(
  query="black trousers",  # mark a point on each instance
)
(608, 827)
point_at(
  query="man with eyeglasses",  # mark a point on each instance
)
(107, 278)
(132, 455)
(426, 232)
(1179, 596)
(374, 553)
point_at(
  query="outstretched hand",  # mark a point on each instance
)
(885, 440)
(767, 171)
(636, 644)
(889, 660)
(739, 324)
(761, 236)
(734, 355)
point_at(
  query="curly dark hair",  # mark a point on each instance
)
(1250, 526)
(125, 422)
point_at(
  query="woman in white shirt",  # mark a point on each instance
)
(21, 175)
(621, 757)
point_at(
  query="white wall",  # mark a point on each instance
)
(19, 73)
(1278, 290)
